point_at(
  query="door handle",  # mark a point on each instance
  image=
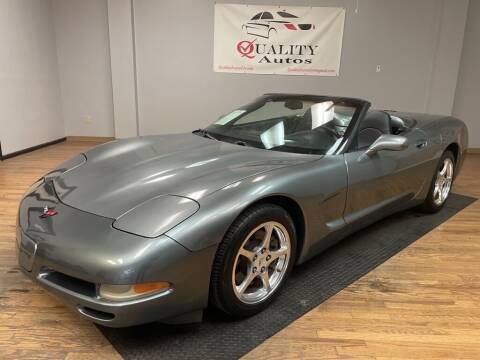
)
(421, 144)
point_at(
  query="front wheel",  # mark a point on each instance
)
(441, 184)
(253, 261)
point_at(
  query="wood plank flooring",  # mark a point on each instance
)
(33, 324)
(424, 303)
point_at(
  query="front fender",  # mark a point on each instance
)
(319, 188)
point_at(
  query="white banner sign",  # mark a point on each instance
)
(278, 40)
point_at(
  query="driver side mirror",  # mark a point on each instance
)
(387, 142)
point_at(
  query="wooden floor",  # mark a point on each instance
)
(423, 303)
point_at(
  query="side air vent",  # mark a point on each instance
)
(95, 314)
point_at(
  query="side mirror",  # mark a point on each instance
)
(387, 142)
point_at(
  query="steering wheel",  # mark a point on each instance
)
(329, 130)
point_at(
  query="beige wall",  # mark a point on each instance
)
(417, 44)
(129, 67)
(467, 98)
(122, 48)
(29, 85)
(81, 29)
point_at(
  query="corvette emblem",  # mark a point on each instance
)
(47, 212)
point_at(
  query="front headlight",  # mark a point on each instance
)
(130, 292)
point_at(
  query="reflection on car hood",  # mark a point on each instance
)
(121, 174)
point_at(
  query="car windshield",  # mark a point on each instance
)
(290, 124)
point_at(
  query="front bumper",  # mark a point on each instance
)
(112, 314)
(73, 252)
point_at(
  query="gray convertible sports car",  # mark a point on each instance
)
(156, 228)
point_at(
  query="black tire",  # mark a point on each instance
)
(430, 206)
(222, 294)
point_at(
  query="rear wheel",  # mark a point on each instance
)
(441, 184)
(253, 261)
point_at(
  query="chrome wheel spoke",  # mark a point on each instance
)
(246, 282)
(265, 280)
(247, 254)
(268, 236)
(274, 255)
(444, 169)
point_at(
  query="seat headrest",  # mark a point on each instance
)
(376, 120)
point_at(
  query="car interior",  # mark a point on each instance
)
(377, 123)
(312, 127)
(307, 132)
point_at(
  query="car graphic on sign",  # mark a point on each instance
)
(265, 24)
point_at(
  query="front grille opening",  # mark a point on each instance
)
(68, 282)
(96, 314)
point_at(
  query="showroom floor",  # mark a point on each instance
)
(422, 303)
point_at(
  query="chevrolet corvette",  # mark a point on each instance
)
(158, 228)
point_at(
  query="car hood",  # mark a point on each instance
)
(122, 174)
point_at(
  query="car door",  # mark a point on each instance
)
(385, 182)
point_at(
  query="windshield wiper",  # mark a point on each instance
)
(205, 134)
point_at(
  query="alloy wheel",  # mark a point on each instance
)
(443, 182)
(261, 262)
